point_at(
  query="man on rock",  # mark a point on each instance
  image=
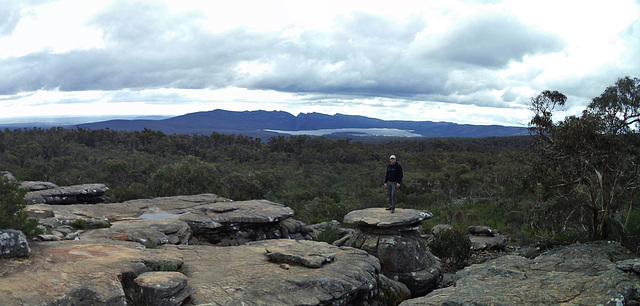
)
(392, 182)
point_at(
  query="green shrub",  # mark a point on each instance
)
(12, 205)
(452, 247)
(329, 234)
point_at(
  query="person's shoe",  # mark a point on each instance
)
(393, 210)
(389, 208)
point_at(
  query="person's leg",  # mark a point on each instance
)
(390, 195)
(394, 195)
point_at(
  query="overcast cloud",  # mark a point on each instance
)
(476, 62)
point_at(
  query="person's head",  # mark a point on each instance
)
(392, 159)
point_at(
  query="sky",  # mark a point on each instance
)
(468, 62)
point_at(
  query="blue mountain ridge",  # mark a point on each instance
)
(261, 123)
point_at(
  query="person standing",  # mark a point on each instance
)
(392, 181)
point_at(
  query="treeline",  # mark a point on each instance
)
(320, 178)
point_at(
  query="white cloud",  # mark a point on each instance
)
(460, 61)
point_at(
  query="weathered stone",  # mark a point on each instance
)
(13, 243)
(584, 274)
(441, 227)
(212, 219)
(37, 185)
(145, 232)
(482, 231)
(403, 219)
(85, 193)
(244, 275)
(8, 175)
(39, 213)
(305, 253)
(162, 288)
(394, 239)
(73, 272)
(488, 243)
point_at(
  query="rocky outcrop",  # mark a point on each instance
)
(352, 276)
(149, 233)
(161, 288)
(486, 238)
(13, 243)
(111, 272)
(588, 274)
(394, 239)
(37, 185)
(83, 194)
(211, 219)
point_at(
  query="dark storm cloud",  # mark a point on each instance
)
(361, 54)
(492, 41)
(146, 45)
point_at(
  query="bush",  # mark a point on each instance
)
(12, 204)
(329, 234)
(452, 247)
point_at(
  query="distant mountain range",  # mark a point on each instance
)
(272, 123)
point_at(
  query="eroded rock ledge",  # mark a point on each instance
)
(196, 219)
(395, 240)
(108, 272)
(601, 273)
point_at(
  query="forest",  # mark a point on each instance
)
(570, 180)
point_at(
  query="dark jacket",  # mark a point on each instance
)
(394, 173)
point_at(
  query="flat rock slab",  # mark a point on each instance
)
(305, 253)
(68, 272)
(37, 185)
(379, 217)
(244, 275)
(216, 208)
(146, 232)
(587, 274)
(85, 193)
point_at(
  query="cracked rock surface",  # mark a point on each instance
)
(598, 273)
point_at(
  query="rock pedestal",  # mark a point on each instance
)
(395, 240)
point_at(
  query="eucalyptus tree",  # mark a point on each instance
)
(587, 166)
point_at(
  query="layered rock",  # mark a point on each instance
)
(85, 194)
(111, 272)
(79, 273)
(161, 288)
(395, 240)
(351, 277)
(211, 220)
(589, 274)
(486, 238)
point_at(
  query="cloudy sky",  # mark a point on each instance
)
(477, 62)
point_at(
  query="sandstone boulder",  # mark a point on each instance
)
(112, 272)
(13, 243)
(589, 274)
(37, 185)
(85, 194)
(79, 273)
(395, 240)
(161, 288)
(212, 219)
(245, 275)
(8, 175)
(146, 232)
